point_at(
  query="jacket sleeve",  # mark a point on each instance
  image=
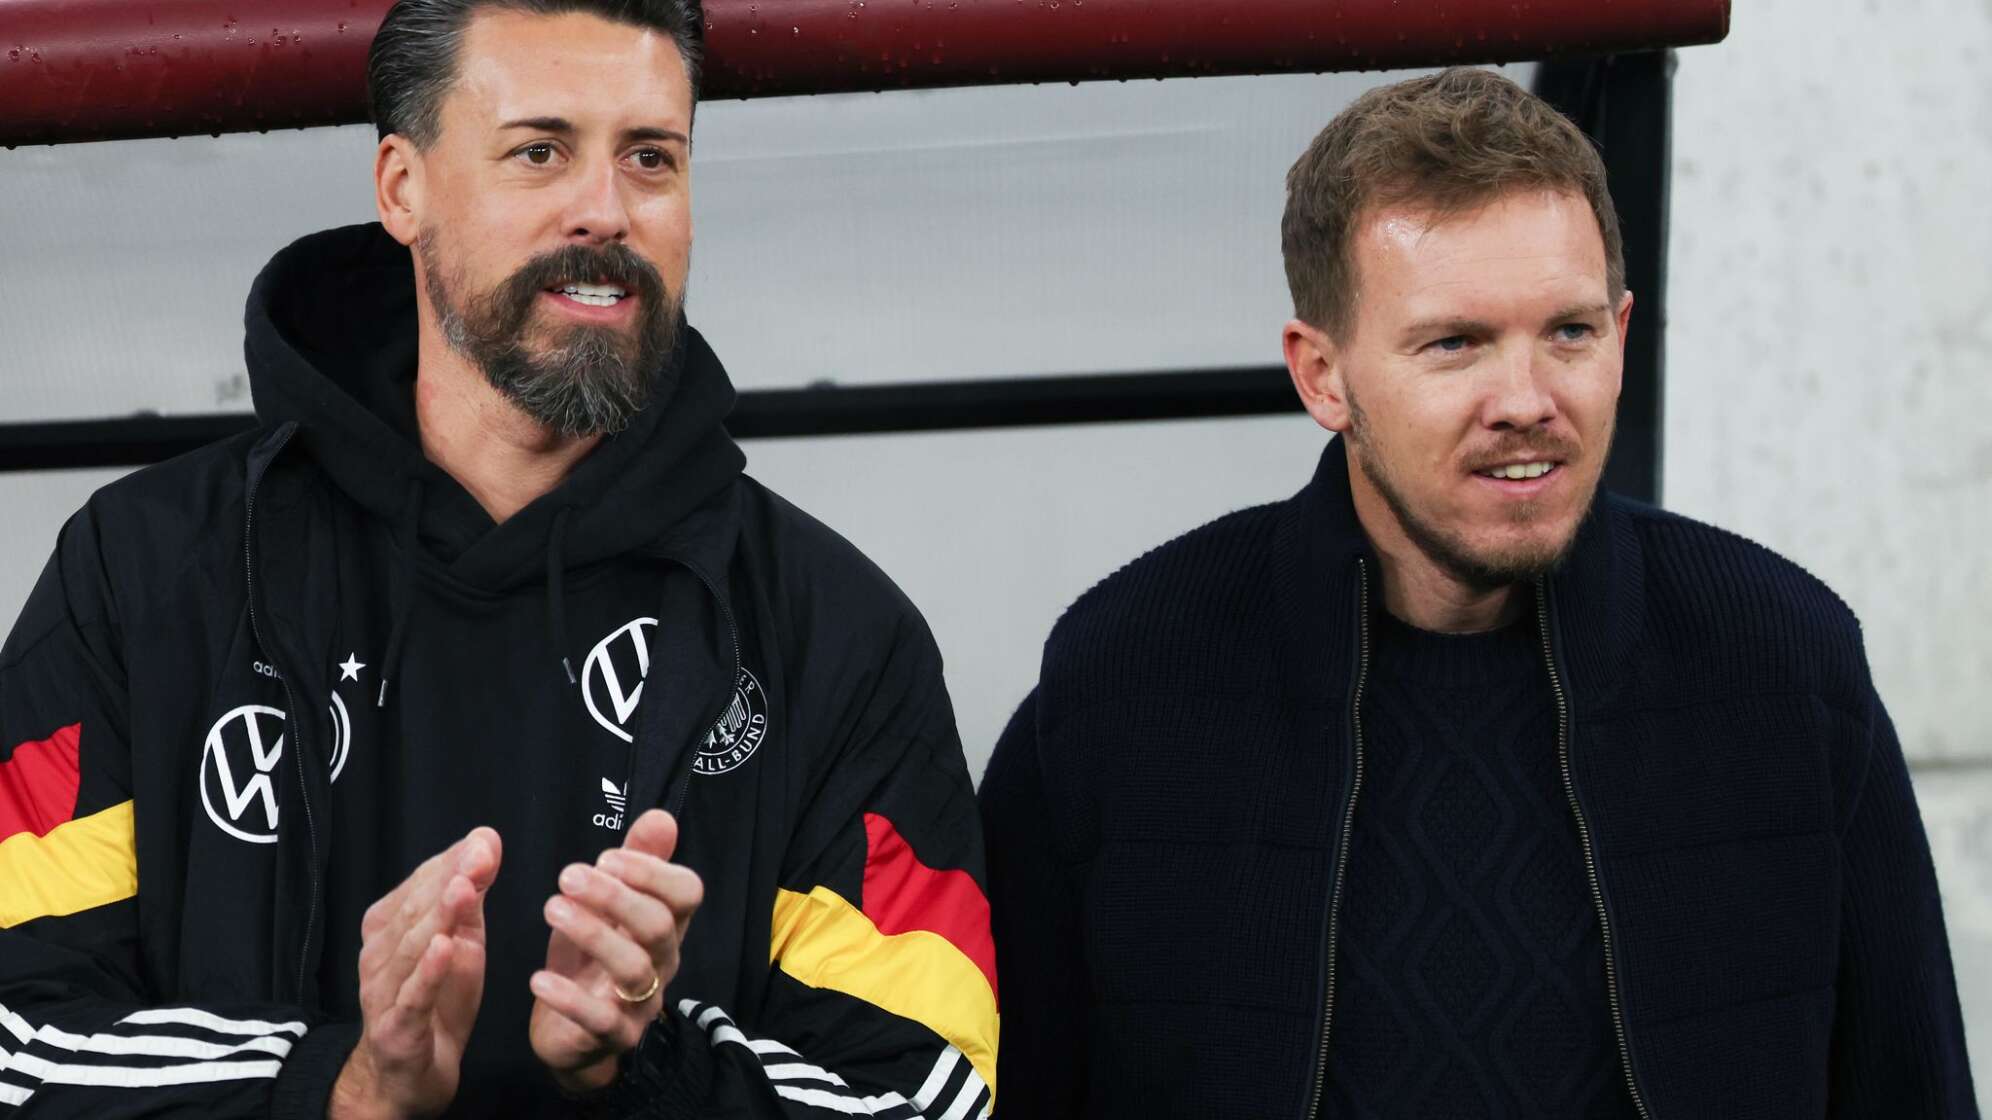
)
(1898, 1036)
(1035, 901)
(81, 1032)
(881, 998)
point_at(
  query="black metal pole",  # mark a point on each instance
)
(1625, 103)
(826, 410)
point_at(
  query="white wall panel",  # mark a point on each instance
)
(1829, 366)
(126, 264)
(1957, 813)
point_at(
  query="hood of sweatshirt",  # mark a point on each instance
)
(331, 344)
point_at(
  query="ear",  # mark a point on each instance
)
(1624, 317)
(1315, 362)
(398, 187)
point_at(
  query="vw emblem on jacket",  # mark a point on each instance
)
(602, 687)
(239, 767)
(740, 729)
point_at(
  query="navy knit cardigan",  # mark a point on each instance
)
(1164, 818)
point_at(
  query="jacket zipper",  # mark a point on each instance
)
(1590, 854)
(732, 681)
(1333, 932)
(294, 719)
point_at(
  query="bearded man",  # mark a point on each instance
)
(1450, 787)
(376, 762)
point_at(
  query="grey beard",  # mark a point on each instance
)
(590, 380)
(588, 383)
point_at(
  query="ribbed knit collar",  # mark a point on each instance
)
(1506, 656)
(1595, 596)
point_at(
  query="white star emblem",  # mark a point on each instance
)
(349, 669)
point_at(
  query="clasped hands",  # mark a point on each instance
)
(615, 932)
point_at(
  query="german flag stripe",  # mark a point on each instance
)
(824, 942)
(901, 895)
(77, 865)
(38, 783)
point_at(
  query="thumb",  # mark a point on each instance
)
(480, 853)
(655, 833)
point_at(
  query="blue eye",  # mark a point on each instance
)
(1583, 331)
(1452, 344)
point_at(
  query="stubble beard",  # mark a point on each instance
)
(1482, 570)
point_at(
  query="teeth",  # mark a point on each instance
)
(1519, 471)
(594, 295)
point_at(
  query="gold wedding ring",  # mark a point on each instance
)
(656, 982)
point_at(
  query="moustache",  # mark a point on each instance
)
(614, 263)
(1535, 447)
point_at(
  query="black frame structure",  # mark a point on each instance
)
(1623, 102)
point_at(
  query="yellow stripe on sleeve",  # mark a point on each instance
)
(79, 864)
(825, 942)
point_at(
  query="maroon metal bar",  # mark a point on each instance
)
(116, 69)
(121, 69)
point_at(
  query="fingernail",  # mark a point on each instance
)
(560, 910)
(573, 879)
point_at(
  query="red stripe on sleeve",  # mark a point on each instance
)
(38, 783)
(902, 894)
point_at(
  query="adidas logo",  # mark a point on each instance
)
(617, 797)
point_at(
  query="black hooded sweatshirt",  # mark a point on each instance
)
(183, 866)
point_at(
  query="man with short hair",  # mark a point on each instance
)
(1449, 786)
(377, 762)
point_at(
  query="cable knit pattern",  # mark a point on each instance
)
(1474, 977)
(1165, 814)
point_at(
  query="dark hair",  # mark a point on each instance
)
(1451, 141)
(413, 60)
